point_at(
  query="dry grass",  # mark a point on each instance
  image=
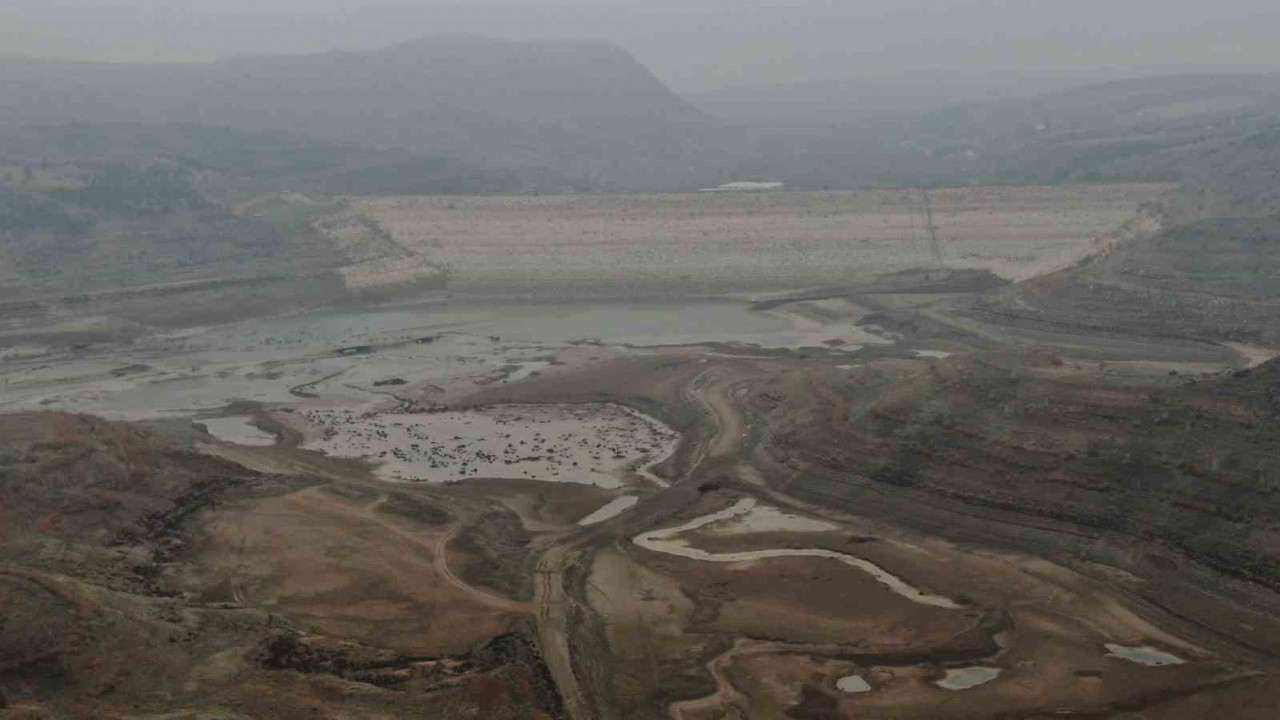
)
(345, 568)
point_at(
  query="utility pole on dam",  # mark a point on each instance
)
(926, 200)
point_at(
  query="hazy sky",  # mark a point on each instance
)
(697, 44)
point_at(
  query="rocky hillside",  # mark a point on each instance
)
(105, 610)
(91, 521)
(101, 500)
(1181, 469)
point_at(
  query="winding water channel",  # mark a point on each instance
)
(662, 541)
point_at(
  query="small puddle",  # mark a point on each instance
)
(239, 431)
(661, 541)
(527, 370)
(613, 509)
(966, 678)
(1145, 655)
(853, 684)
(763, 519)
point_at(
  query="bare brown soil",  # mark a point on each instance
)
(344, 568)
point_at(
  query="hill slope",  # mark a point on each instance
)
(1212, 275)
(233, 164)
(118, 602)
(104, 227)
(1238, 179)
(588, 112)
(1147, 129)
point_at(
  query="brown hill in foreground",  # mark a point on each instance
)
(110, 605)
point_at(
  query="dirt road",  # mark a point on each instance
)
(708, 390)
(435, 543)
(552, 617)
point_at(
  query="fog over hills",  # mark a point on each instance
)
(826, 102)
(1134, 130)
(586, 112)
(553, 116)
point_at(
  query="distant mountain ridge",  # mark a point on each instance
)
(1144, 129)
(823, 102)
(587, 112)
(582, 116)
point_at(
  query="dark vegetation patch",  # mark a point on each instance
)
(415, 508)
(499, 547)
(507, 665)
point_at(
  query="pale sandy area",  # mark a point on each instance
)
(966, 678)
(612, 509)
(853, 684)
(238, 430)
(1254, 356)
(1143, 655)
(764, 518)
